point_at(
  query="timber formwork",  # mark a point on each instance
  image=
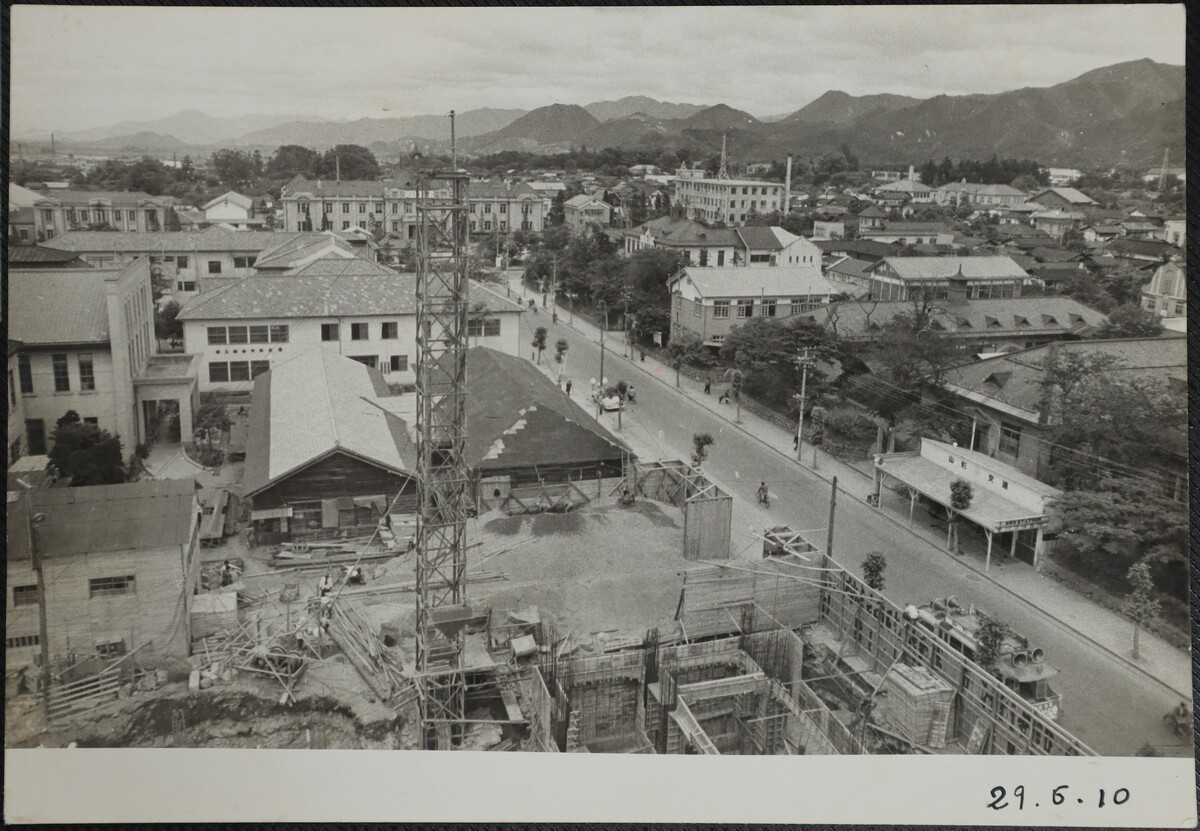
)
(443, 479)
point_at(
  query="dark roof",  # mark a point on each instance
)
(332, 189)
(759, 238)
(1047, 254)
(518, 418)
(1145, 247)
(996, 317)
(865, 247)
(670, 231)
(25, 255)
(172, 242)
(146, 515)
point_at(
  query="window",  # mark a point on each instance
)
(186, 285)
(503, 208)
(242, 262)
(395, 207)
(217, 335)
(87, 372)
(279, 333)
(108, 586)
(484, 327)
(70, 214)
(720, 258)
(260, 334)
(329, 331)
(257, 368)
(110, 650)
(62, 379)
(25, 595)
(378, 207)
(697, 308)
(399, 363)
(487, 226)
(720, 308)
(768, 308)
(239, 334)
(303, 206)
(703, 256)
(745, 308)
(345, 207)
(800, 305)
(22, 640)
(346, 225)
(358, 331)
(24, 233)
(239, 371)
(218, 372)
(182, 262)
(487, 207)
(366, 360)
(214, 266)
(1010, 439)
(35, 436)
(133, 216)
(48, 215)
(389, 330)
(362, 207)
(26, 374)
(760, 258)
(395, 226)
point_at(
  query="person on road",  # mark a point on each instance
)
(707, 386)
(763, 496)
(1182, 713)
(568, 387)
(629, 394)
(796, 442)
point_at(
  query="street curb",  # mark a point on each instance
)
(896, 522)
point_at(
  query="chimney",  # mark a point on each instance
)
(787, 188)
(910, 173)
(52, 150)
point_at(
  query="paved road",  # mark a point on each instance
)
(1114, 710)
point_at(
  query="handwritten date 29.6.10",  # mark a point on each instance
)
(1002, 799)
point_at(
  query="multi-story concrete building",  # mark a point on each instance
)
(88, 345)
(1166, 294)
(583, 213)
(978, 195)
(726, 200)
(760, 245)
(897, 278)
(76, 210)
(22, 227)
(700, 245)
(708, 302)
(355, 307)
(120, 565)
(503, 207)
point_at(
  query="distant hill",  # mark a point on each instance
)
(368, 131)
(188, 126)
(838, 108)
(635, 104)
(719, 117)
(143, 141)
(557, 126)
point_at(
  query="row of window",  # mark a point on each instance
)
(96, 215)
(395, 363)
(62, 375)
(219, 335)
(220, 372)
(502, 225)
(388, 330)
(745, 308)
(483, 327)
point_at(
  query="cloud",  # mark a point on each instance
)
(76, 67)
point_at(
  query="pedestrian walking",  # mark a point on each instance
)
(708, 386)
(796, 442)
(568, 387)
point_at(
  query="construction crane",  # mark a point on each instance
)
(442, 475)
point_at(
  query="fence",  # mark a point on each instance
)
(78, 696)
(707, 510)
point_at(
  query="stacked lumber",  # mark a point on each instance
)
(917, 700)
(367, 653)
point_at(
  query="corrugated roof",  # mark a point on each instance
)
(19, 255)
(943, 268)
(993, 318)
(47, 306)
(314, 404)
(740, 281)
(212, 239)
(148, 515)
(301, 249)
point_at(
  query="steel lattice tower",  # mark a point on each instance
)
(442, 473)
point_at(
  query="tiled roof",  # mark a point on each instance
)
(125, 198)
(19, 255)
(212, 239)
(583, 200)
(850, 267)
(500, 190)
(300, 187)
(740, 281)
(1016, 379)
(676, 231)
(51, 307)
(19, 197)
(1146, 247)
(913, 228)
(1072, 195)
(315, 404)
(360, 290)
(976, 318)
(979, 189)
(148, 515)
(300, 249)
(758, 238)
(339, 267)
(870, 248)
(1053, 255)
(943, 268)
(904, 186)
(873, 212)
(234, 198)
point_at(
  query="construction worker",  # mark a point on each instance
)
(226, 574)
(325, 587)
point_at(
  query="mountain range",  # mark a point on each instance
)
(1127, 113)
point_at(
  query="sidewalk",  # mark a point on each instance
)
(1107, 630)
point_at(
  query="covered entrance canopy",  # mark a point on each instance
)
(1004, 500)
(167, 397)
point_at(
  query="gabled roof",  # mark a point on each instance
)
(19, 197)
(316, 404)
(301, 249)
(943, 268)
(212, 239)
(48, 306)
(583, 200)
(671, 231)
(850, 267)
(1053, 255)
(996, 317)
(1072, 195)
(300, 187)
(870, 248)
(122, 198)
(500, 190)
(739, 281)
(873, 212)
(148, 515)
(979, 189)
(912, 228)
(233, 198)
(1144, 247)
(758, 238)
(20, 255)
(1163, 357)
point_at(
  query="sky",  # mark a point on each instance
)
(76, 67)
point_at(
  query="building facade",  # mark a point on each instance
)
(1166, 294)
(726, 200)
(70, 210)
(583, 213)
(699, 245)
(896, 278)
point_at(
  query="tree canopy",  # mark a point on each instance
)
(86, 455)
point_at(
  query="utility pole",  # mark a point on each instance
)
(603, 307)
(453, 145)
(625, 322)
(554, 288)
(43, 629)
(832, 506)
(804, 362)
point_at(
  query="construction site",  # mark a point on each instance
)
(603, 616)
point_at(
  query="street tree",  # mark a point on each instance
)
(167, 325)
(539, 342)
(291, 159)
(873, 567)
(210, 422)
(961, 495)
(83, 454)
(686, 348)
(234, 167)
(1142, 603)
(350, 161)
(560, 356)
(700, 444)
(1130, 321)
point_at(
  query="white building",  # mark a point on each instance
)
(726, 200)
(355, 307)
(234, 210)
(1062, 175)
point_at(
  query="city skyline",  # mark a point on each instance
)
(63, 81)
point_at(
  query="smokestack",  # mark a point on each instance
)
(910, 174)
(337, 163)
(52, 150)
(787, 188)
